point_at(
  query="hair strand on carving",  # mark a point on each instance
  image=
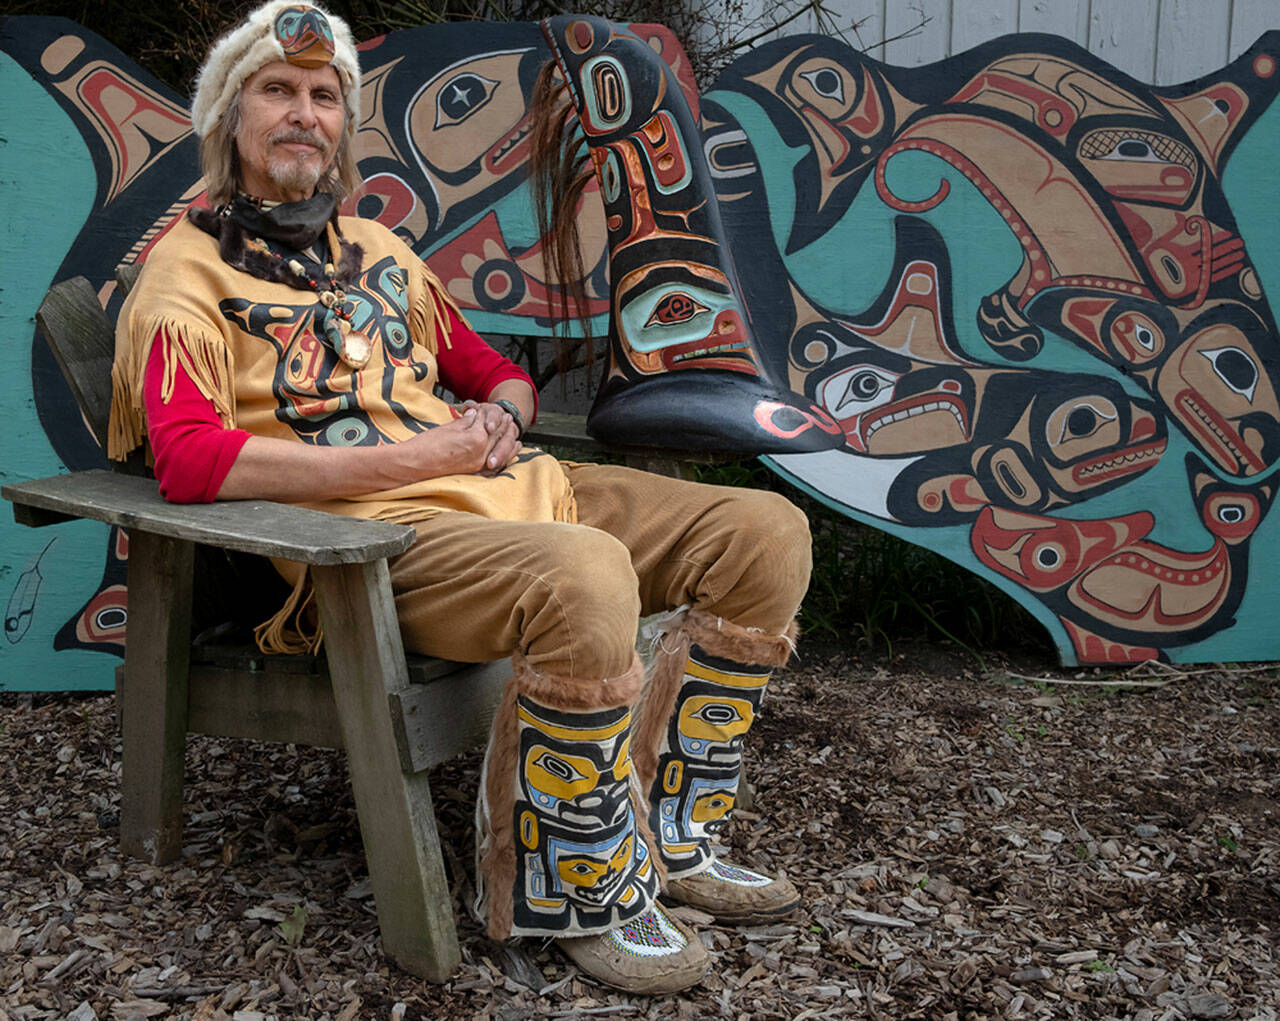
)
(560, 170)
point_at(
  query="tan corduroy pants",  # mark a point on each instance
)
(569, 597)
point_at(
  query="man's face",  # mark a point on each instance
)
(291, 120)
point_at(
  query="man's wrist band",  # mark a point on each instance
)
(514, 412)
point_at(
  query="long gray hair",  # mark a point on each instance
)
(220, 162)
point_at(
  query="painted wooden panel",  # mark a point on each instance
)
(921, 32)
(1123, 33)
(842, 222)
(1249, 19)
(46, 575)
(1190, 42)
(977, 21)
(1030, 274)
(1067, 18)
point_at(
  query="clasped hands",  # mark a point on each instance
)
(486, 437)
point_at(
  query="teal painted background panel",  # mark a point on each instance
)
(844, 270)
(47, 178)
(47, 187)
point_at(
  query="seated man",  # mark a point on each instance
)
(272, 349)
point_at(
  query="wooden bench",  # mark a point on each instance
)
(395, 715)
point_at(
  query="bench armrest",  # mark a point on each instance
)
(250, 526)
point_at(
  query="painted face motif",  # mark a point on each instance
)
(677, 307)
(591, 874)
(305, 36)
(1217, 385)
(315, 394)
(560, 782)
(1119, 592)
(581, 861)
(469, 124)
(845, 112)
(701, 756)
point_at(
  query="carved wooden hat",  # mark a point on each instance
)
(300, 33)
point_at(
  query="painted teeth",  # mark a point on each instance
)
(702, 352)
(1212, 426)
(513, 143)
(920, 409)
(1132, 457)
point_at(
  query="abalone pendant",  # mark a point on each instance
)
(353, 347)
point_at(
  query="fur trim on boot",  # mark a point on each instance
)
(727, 640)
(720, 638)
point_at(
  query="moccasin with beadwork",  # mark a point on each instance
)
(653, 953)
(735, 896)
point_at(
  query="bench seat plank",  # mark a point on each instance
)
(249, 526)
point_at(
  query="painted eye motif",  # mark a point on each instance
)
(606, 92)
(1045, 561)
(559, 768)
(1132, 149)
(461, 96)
(826, 82)
(111, 617)
(582, 869)
(1083, 420)
(1232, 516)
(1235, 368)
(858, 389)
(1048, 558)
(1135, 146)
(611, 177)
(718, 714)
(677, 307)
(1137, 338)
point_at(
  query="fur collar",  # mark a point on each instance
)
(237, 251)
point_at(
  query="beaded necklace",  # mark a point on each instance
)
(353, 346)
(243, 227)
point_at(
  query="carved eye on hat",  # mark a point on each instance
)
(305, 36)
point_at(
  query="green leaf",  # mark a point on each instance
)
(293, 926)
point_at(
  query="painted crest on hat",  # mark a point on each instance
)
(305, 36)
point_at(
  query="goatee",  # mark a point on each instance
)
(299, 172)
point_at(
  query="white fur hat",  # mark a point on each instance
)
(298, 32)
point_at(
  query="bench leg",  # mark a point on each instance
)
(397, 821)
(154, 703)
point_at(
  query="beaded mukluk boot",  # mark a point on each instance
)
(707, 685)
(563, 852)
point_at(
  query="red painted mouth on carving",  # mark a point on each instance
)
(912, 408)
(735, 356)
(511, 151)
(1218, 439)
(1117, 465)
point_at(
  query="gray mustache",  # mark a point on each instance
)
(305, 137)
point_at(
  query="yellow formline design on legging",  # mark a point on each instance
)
(701, 756)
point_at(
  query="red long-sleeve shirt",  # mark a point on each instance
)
(193, 450)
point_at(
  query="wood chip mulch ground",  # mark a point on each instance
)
(970, 844)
